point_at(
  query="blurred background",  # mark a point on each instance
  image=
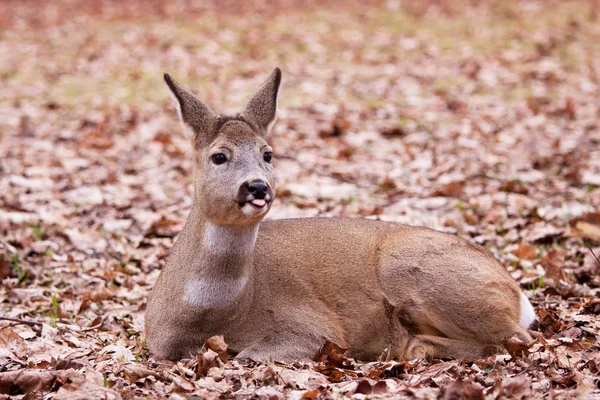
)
(458, 115)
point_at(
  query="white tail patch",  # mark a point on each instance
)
(221, 239)
(214, 293)
(527, 315)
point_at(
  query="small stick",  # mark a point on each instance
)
(569, 302)
(36, 326)
(587, 244)
(21, 321)
(155, 363)
(11, 360)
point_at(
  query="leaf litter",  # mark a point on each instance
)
(405, 112)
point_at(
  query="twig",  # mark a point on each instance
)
(553, 302)
(21, 321)
(36, 326)
(587, 244)
(155, 363)
(11, 361)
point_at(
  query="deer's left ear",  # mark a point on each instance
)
(262, 107)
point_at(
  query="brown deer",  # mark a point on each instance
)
(281, 289)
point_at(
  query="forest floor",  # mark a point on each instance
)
(475, 118)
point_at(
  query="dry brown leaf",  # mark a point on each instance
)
(182, 384)
(393, 132)
(513, 187)
(516, 347)
(5, 270)
(8, 337)
(165, 228)
(366, 387)
(207, 360)
(86, 391)
(27, 381)
(266, 376)
(332, 355)
(516, 387)
(218, 345)
(337, 128)
(462, 390)
(452, 189)
(94, 297)
(525, 251)
(334, 375)
(96, 140)
(134, 372)
(25, 295)
(587, 225)
(310, 395)
(553, 263)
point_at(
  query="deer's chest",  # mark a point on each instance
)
(214, 293)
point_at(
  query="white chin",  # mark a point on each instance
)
(253, 211)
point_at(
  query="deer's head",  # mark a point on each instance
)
(233, 177)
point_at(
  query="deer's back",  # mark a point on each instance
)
(358, 248)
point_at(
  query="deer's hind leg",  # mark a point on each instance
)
(429, 346)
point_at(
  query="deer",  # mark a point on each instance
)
(279, 290)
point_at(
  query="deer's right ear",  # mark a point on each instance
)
(197, 119)
(262, 107)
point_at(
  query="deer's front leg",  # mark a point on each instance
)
(283, 346)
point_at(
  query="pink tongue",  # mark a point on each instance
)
(259, 202)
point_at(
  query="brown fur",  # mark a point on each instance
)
(364, 285)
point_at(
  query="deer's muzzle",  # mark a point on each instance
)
(256, 192)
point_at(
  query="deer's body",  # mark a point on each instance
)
(281, 289)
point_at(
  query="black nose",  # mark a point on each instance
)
(258, 189)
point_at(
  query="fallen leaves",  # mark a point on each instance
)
(94, 297)
(135, 372)
(462, 390)
(525, 251)
(332, 363)
(206, 360)
(517, 387)
(217, 344)
(586, 226)
(27, 381)
(371, 388)
(553, 263)
(516, 347)
(5, 269)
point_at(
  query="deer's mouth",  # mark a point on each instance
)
(259, 203)
(255, 194)
(256, 202)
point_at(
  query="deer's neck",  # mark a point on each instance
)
(223, 241)
(221, 265)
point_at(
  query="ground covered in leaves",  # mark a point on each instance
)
(477, 118)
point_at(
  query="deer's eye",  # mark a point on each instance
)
(218, 158)
(267, 156)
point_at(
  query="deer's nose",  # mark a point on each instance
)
(258, 189)
(257, 192)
